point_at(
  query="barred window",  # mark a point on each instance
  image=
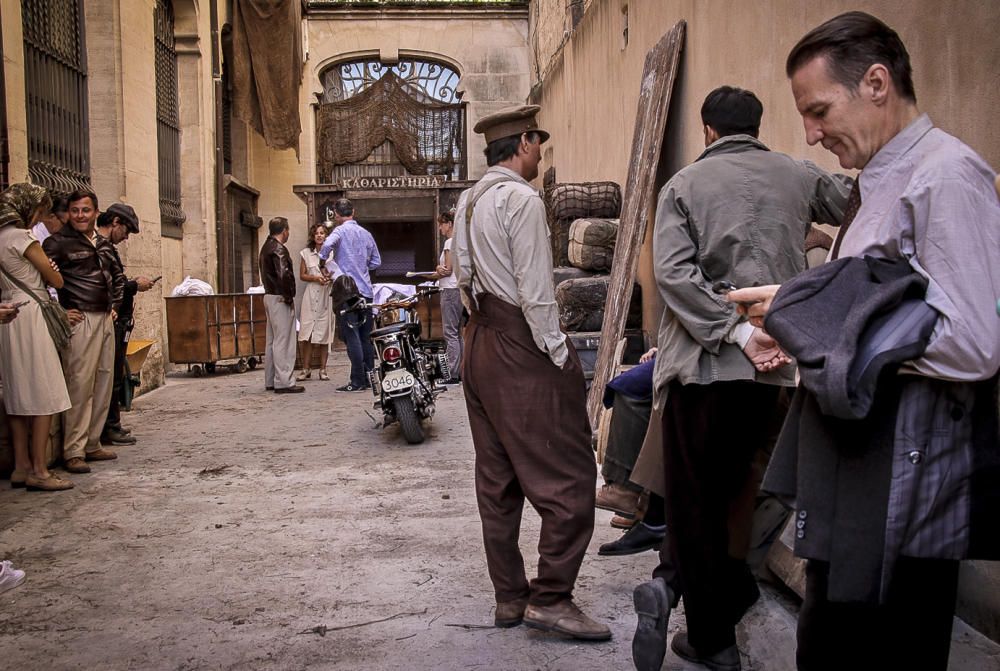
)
(380, 120)
(168, 128)
(55, 69)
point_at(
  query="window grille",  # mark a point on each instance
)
(415, 102)
(55, 69)
(168, 129)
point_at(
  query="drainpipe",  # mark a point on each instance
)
(220, 243)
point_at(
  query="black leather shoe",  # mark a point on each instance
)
(294, 389)
(115, 437)
(637, 539)
(727, 659)
(652, 606)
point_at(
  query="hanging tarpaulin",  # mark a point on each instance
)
(425, 134)
(267, 68)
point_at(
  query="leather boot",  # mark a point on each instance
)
(101, 454)
(510, 613)
(76, 465)
(565, 618)
(727, 659)
(618, 499)
(652, 601)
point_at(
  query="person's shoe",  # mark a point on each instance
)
(510, 613)
(637, 539)
(619, 522)
(566, 618)
(101, 455)
(618, 499)
(453, 380)
(76, 465)
(350, 388)
(294, 389)
(114, 437)
(727, 659)
(53, 483)
(120, 428)
(323, 376)
(304, 375)
(17, 479)
(652, 604)
(10, 577)
(271, 388)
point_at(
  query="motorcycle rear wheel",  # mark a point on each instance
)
(409, 422)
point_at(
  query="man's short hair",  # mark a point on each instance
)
(80, 194)
(852, 43)
(277, 226)
(505, 148)
(343, 207)
(59, 204)
(732, 111)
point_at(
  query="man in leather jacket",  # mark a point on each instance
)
(91, 295)
(279, 301)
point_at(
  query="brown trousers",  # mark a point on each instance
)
(532, 440)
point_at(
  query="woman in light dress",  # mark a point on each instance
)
(316, 315)
(34, 388)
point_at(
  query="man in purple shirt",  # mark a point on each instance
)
(929, 452)
(356, 254)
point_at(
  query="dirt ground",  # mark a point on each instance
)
(249, 530)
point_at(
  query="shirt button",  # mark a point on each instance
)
(800, 534)
(803, 514)
(801, 524)
(915, 457)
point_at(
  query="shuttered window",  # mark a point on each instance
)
(55, 69)
(168, 129)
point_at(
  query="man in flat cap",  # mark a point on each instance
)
(524, 386)
(115, 225)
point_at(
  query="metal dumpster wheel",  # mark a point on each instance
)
(241, 366)
(252, 362)
(196, 370)
(210, 367)
(409, 422)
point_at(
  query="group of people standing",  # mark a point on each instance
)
(66, 357)
(884, 506)
(345, 254)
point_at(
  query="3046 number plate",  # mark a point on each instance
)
(398, 379)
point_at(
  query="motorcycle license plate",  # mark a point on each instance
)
(397, 379)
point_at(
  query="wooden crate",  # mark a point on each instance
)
(206, 329)
(429, 312)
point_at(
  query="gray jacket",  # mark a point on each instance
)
(741, 213)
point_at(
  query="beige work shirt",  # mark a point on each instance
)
(510, 236)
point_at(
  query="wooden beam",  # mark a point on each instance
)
(658, 76)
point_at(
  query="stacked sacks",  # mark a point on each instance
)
(592, 243)
(581, 304)
(565, 203)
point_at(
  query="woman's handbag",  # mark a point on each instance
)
(54, 314)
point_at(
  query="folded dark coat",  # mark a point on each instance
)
(845, 322)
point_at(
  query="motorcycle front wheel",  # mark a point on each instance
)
(409, 422)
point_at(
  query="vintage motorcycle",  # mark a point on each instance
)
(410, 367)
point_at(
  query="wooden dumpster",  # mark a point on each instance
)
(205, 330)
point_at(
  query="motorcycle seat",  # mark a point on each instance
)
(394, 328)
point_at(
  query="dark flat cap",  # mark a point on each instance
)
(510, 121)
(126, 215)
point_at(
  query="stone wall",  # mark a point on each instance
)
(123, 149)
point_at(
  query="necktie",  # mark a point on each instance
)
(851, 211)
